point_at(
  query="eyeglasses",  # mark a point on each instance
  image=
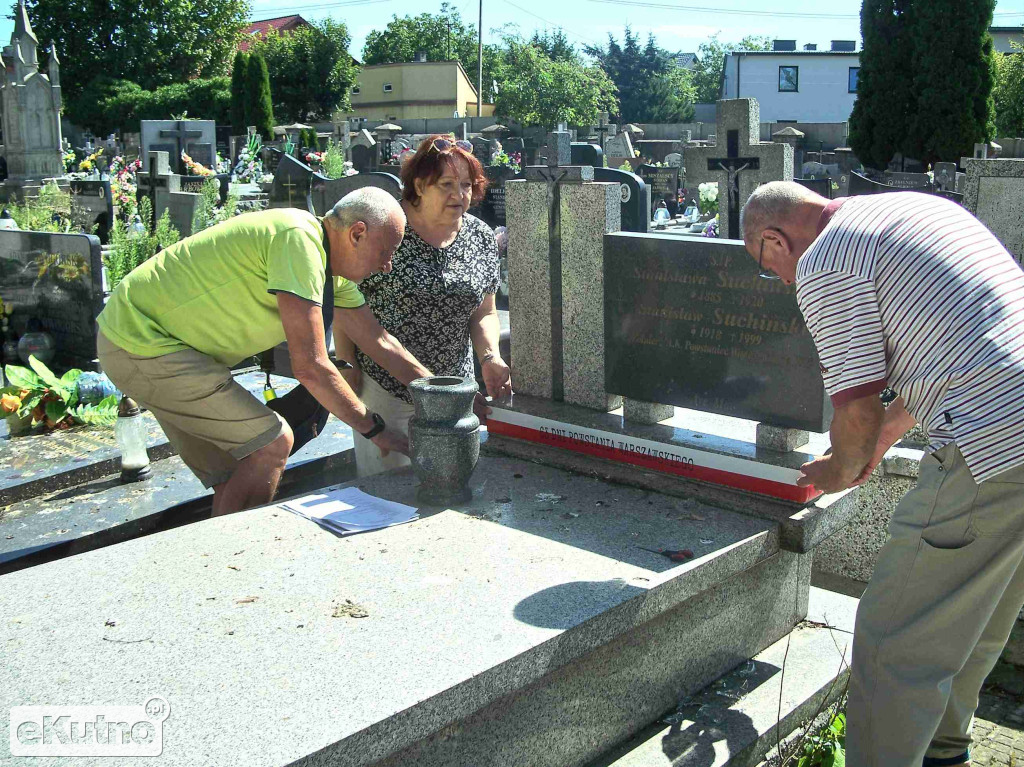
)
(443, 145)
(764, 274)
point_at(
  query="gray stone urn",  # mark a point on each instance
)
(444, 438)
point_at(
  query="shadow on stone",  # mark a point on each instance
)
(569, 604)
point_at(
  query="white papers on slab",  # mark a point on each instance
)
(350, 510)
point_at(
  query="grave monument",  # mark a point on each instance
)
(31, 108)
(740, 163)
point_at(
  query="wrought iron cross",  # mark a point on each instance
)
(733, 165)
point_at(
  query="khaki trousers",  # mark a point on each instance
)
(936, 615)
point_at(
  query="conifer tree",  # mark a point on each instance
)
(238, 94)
(258, 104)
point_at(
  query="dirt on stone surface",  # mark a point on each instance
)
(999, 724)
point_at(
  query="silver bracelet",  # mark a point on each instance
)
(487, 358)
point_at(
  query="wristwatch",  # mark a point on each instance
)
(378, 426)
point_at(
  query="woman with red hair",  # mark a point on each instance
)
(438, 299)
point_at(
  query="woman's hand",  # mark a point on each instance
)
(497, 378)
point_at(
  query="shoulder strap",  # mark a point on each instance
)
(328, 298)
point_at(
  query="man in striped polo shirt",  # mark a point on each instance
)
(910, 292)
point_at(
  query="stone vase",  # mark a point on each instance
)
(444, 438)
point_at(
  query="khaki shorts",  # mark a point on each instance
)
(210, 419)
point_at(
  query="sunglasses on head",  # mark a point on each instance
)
(443, 145)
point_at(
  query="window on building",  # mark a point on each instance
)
(789, 79)
(854, 76)
(355, 90)
(387, 87)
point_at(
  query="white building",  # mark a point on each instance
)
(807, 86)
(1001, 37)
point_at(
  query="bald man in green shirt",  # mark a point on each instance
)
(176, 324)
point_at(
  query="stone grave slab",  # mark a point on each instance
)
(292, 185)
(182, 208)
(326, 192)
(92, 205)
(174, 137)
(993, 193)
(569, 621)
(195, 184)
(688, 323)
(364, 159)
(664, 184)
(57, 279)
(635, 195)
(739, 163)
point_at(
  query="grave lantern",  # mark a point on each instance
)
(7, 221)
(130, 433)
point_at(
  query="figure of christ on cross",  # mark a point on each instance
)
(733, 165)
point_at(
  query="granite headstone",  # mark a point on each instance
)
(92, 206)
(664, 184)
(635, 196)
(326, 192)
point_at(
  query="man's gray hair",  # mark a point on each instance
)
(373, 206)
(771, 205)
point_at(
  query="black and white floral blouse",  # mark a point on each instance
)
(428, 298)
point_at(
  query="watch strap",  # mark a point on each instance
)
(378, 426)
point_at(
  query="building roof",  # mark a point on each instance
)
(1019, 29)
(794, 53)
(685, 60)
(278, 24)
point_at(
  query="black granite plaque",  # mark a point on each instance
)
(822, 186)
(364, 158)
(92, 206)
(292, 185)
(57, 279)
(194, 184)
(491, 209)
(582, 153)
(223, 138)
(688, 322)
(327, 191)
(664, 183)
(635, 196)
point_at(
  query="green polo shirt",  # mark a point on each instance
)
(214, 291)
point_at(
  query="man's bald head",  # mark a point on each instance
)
(365, 228)
(773, 205)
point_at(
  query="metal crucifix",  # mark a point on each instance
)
(733, 165)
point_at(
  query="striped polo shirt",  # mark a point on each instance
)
(910, 291)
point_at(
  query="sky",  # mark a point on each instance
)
(677, 26)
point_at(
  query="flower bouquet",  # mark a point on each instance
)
(38, 396)
(249, 167)
(195, 168)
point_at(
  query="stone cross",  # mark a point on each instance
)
(745, 164)
(603, 128)
(181, 136)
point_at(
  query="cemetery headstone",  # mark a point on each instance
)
(981, 151)
(664, 184)
(945, 176)
(195, 184)
(492, 208)
(482, 150)
(907, 180)
(181, 209)
(58, 280)
(619, 149)
(994, 192)
(223, 138)
(635, 198)
(586, 154)
(271, 158)
(674, 159)
(175, 137)
(745, 163)
(325, 192)
(158, 183)
(822, 186)
(364, 159)
(689, 323)
(92, 205)
(292, 185)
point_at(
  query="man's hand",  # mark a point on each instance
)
(821, 472)
(389, 440)
(497, 378)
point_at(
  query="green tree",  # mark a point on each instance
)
(442, 36)
(1009, 92)
(535, 90)
(238, 94)
(151, 44)
(259, 109)
(707, 73)
(651, 87)
(311, 71)
(952, 81)
(886, 100)
(556, 45)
